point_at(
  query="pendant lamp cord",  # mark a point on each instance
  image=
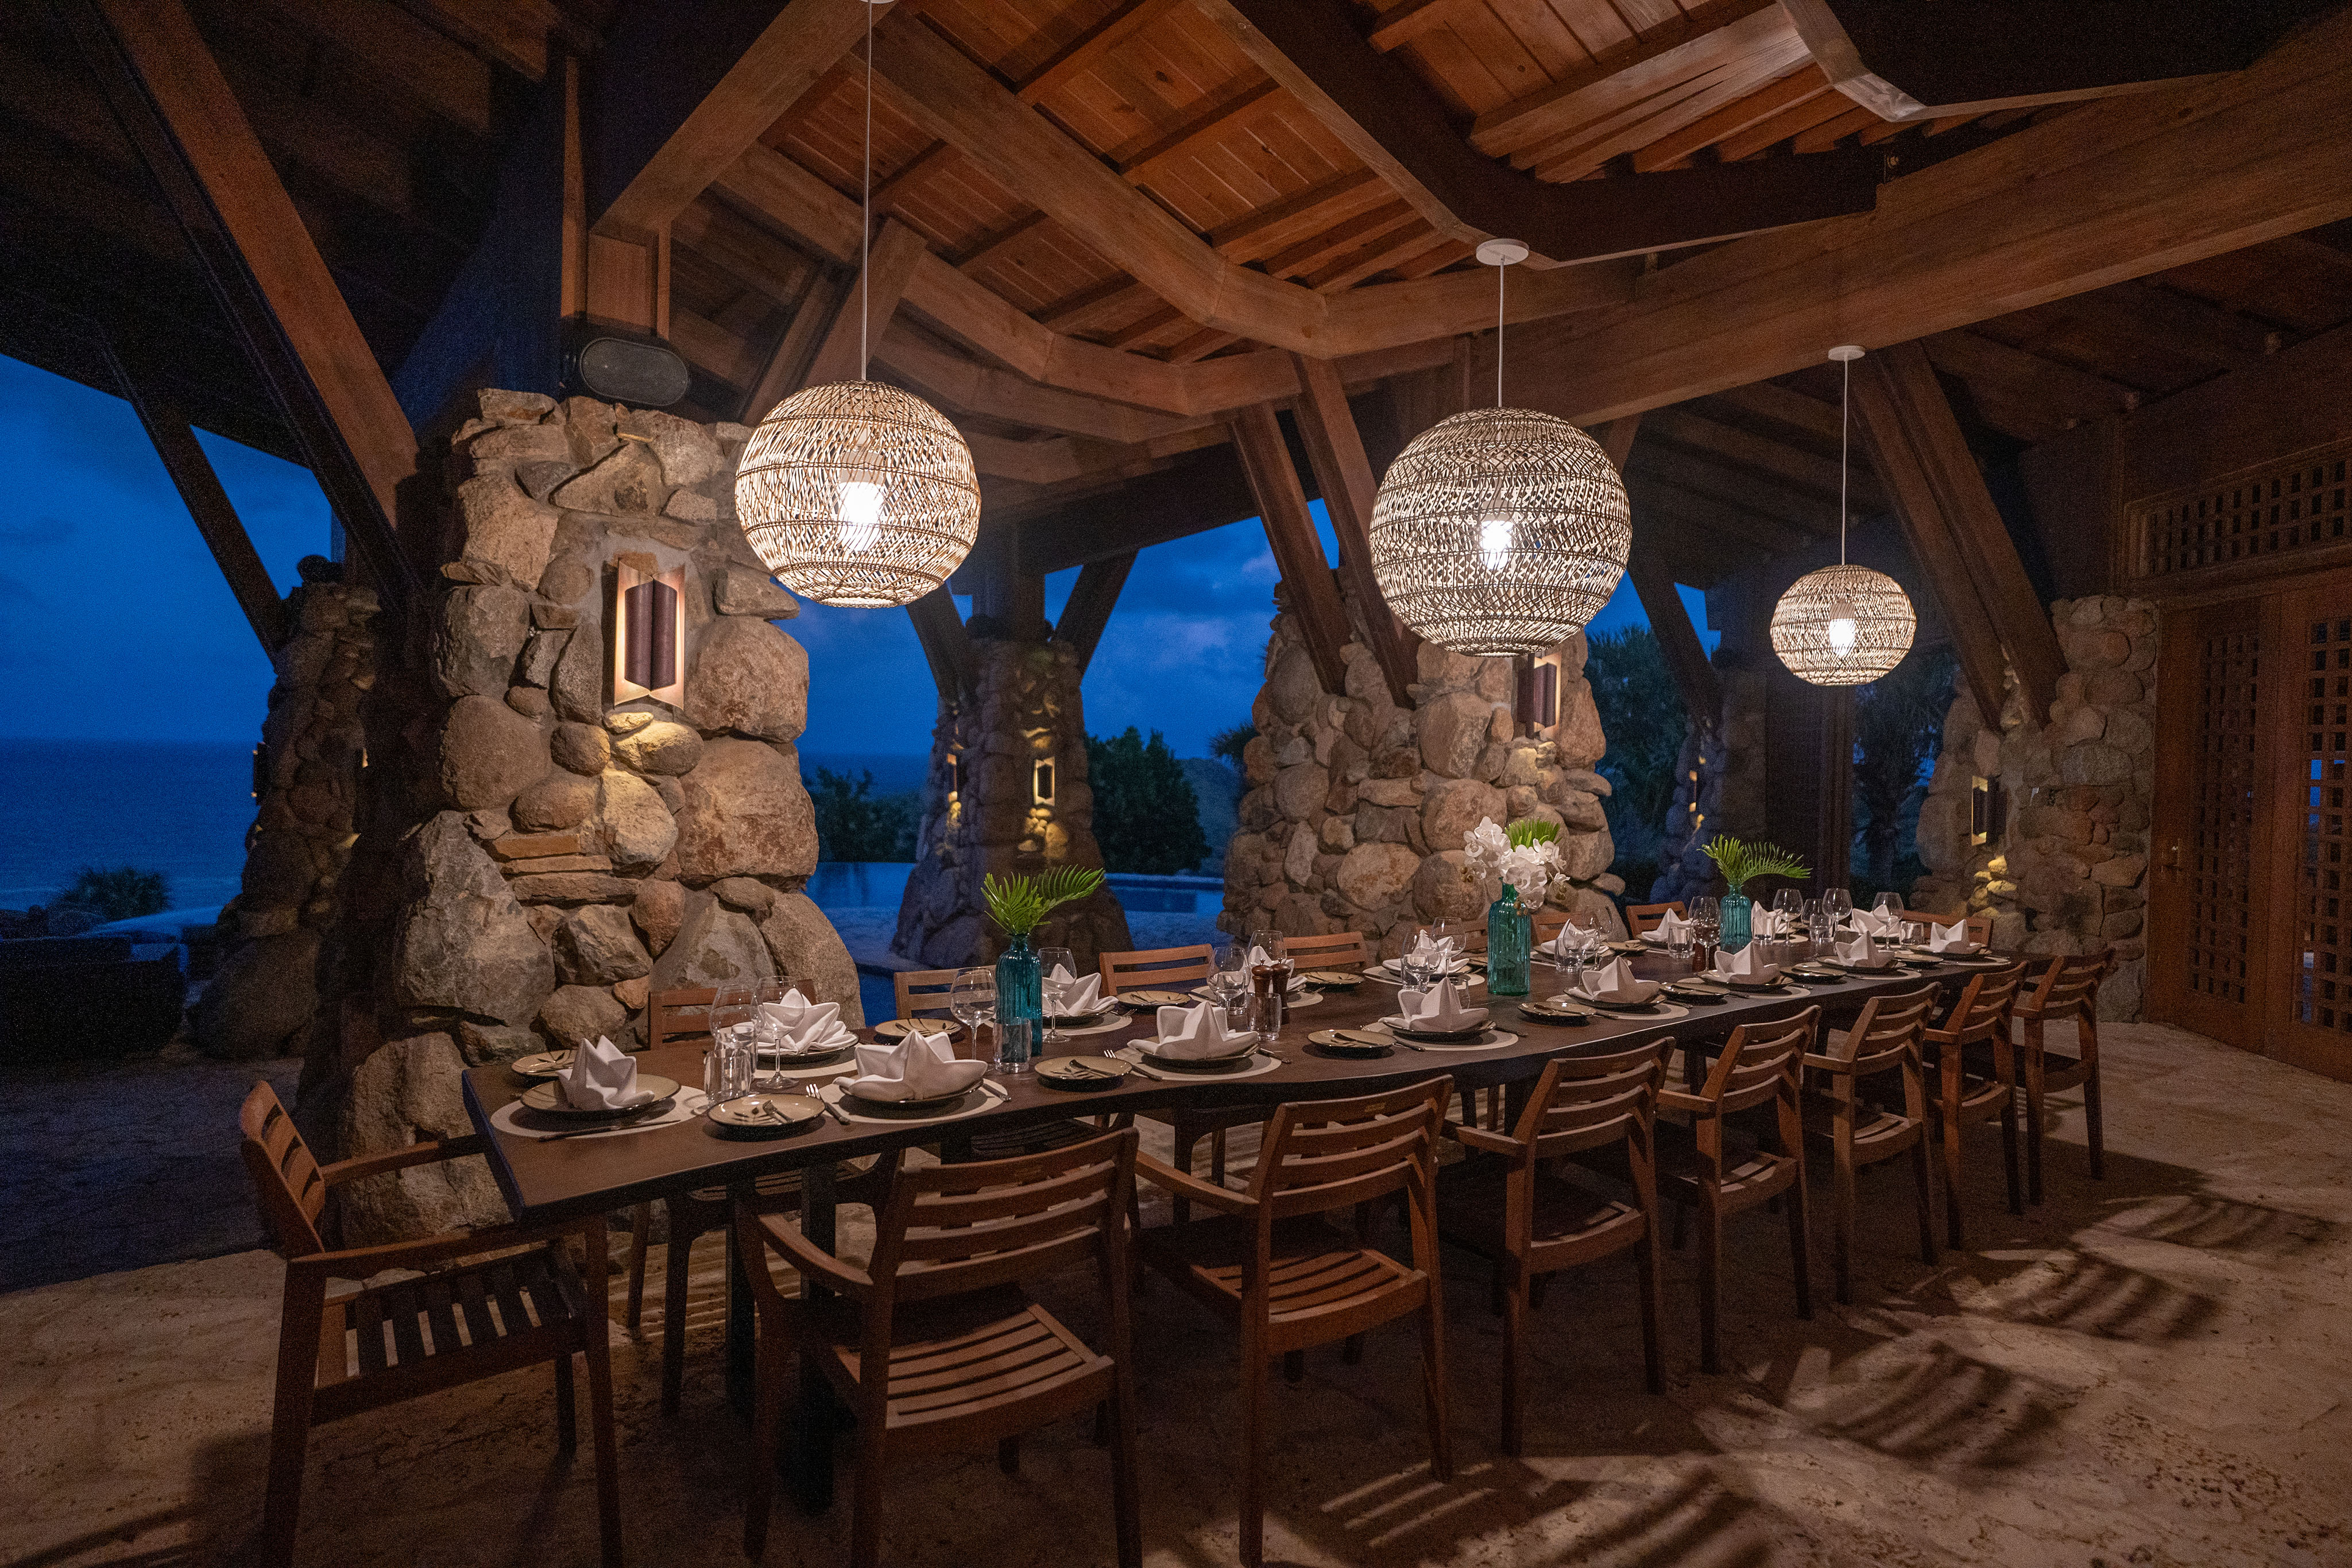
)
(1845, 445)
(866, 205)
(1499, 273)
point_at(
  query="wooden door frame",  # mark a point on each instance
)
(2285, 1035)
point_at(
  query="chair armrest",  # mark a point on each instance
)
(360, 1262)
(1493, 1143)
(1183, 1183)
(1828, 1063)
(809, 1258)
(1675, 1099)
(342, 1171)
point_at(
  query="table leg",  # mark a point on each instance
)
(816, 1415)
(743, 1331)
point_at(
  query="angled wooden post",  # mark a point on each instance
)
(178, 112)
(1282, 503)
(1091, 601)
(946, 645)
(898, 250)
(786, 370)
(1915, 398)
(215, 515)
(1335, 447)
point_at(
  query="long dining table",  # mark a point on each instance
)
(553, 1178)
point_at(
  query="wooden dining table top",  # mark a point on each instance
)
(560, 1178)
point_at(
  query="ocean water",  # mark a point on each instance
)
(178, 806)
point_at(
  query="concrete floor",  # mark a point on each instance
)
(2149, 1370)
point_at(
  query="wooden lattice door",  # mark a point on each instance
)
(2212, 927)
(2314, 796)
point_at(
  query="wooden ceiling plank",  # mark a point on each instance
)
(1187, 139)
(1748, 531)
(1403, 23)
(442, 74)
(893, 192)
(1314, 593)
(1829, 134)
(1621, 79)
(186, 124)
(1777, 405)
(1803, 116)
(1702, 474)
(1588, 150)
(2013, 374)
(1399, 244)
(1343, 473)
(1263, 232)
(514, 33)
(1798, 466)
(1151, 323)
(993, 246)
(1081, 53)
(1388, 117)
(1766, 104)
(2118, 189)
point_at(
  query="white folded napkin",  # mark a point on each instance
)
(1952, 938)
(1439, 1009)
(799, 1027)
(1749, 964)
(920, 1067)
(1440, 953)
(1196, 1033)
(1069, 996)
(1873, 924)
(601, 1077)
(1573, 939)
(1769, 923)
(1861, 953)
(1668, 923)
(1614, 982)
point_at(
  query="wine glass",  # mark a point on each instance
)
(972, 999)
(1228, 972)
(1837, 908)
(1049, 961)
(1789, 905)
(1888, 907)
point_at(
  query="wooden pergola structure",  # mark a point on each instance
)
(1174, 263)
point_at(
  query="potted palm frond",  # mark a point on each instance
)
(1741, 863)
(1019, 905)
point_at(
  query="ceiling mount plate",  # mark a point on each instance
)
(1503, 251)
(1845, 352)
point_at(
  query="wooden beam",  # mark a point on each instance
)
(1905, 60)
(1908, 389)
(1686, 655)
(947, 647)
(1089, 606)
(893, 192)
(179, 113)
(2140, 311)
(1206, 489)
(1188, 138)
(1392, 119)
(679, 90)
(1082, 53)
(1314, 592)
(898, 249)
(215, 515)
(437, 70)
(1778, 407)
(1335, 450)
(1800, 466)
(1733, 519)
(2061, 392)
(2114, 190)
(1905, 472)
(1763, 107)
(786, 369)
(1616, 440)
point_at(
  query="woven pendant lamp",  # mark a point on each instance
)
(1500, 530)
(856, 493)
(1842, 625)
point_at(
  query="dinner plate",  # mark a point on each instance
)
(1082, 1071)
(1160, 998)
(745, 1115)
(1889, 967)
(1086, 1021)
(1705, 996)
(548, 1098)
(1556, 1012)
(1396, 1025)
(898, 1028)
(771, 1057)
(1738, 983)
(1629, 947)
(1332, 979)
(1816, 974)
(859, 1105)
(1232, 1062)
(1341, 1042)
(541, 1063)
(1607, 1007)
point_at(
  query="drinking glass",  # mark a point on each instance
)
(1241, 1013)
(1789, 905)
(1015, 1041)
(1048, 960)
(767, 1034)
(728, 1066)
(1678, 945)
(1229, 976)
(1269, 961)
(972, 999)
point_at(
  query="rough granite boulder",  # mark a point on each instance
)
(465, 944)
(739, 590)
(746, 814)
(596, 946)
(661, 746)
(750, 678)
(503, 528)
(659, 912)
(810, 954)
(481, 631)
(407, 1092)
(578, 686)
(558, 800)
(579, 748)
(1453, 732)
(636, 828)
(1373, 876)
(715, 946)
(259, 1004)
(489, 753)
(575, 1014)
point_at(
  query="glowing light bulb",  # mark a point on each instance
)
(1842, 627)
(861, 515)
(1495, 542)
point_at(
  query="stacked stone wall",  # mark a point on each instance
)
(1356, 807)
(534, 859)
(2069, 876)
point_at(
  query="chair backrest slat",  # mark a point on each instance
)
(1324, 1154)
(1155, 967)
(948, 1229)
(1644, 917)
(286, 1183)
(1585, 1104)
(1983, 1006)
(1887, 1031)
(923, 993)
(2069, 987)
(1340, 949)
(679, 1017)
(1760, 1062)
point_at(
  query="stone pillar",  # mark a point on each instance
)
(276, 932)
(533, 858)
(1026, 710)
(1356, 807)
(2070, 873)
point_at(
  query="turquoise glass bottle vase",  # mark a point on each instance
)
(1738, 926)
(1510, 943)
(1019, 988)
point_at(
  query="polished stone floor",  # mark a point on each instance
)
(2153, 1369)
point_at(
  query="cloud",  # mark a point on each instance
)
(34, 533)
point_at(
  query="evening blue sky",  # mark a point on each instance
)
(113, 609)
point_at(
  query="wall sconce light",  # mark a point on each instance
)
(1040, 782)
(260, 771)
(1987, 810)
(955, 775)
(1538, 695)
(649, 635)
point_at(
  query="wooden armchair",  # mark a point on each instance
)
(1973, 1070)
(1338, 950)
(466, 1316)
(1178, 968)
(1722, 1172)
(1883, 1040)
(923, 993)
(933, 1344)
(1271, 1266)
(2069, 988)
(1641, 919)
(1506, 1202)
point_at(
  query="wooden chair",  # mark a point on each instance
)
(1508, 1201)
(1155, 969)
(964, 1358)
(1722, 1172)
(1884, 1039)
(1969, 1088)
(1288, 1281)
(2068, 988)
(1550, 922)
(923, 993)
(1641, 919)
(1338, 950)
(463, 1318)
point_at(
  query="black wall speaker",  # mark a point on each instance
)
(623, 367)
